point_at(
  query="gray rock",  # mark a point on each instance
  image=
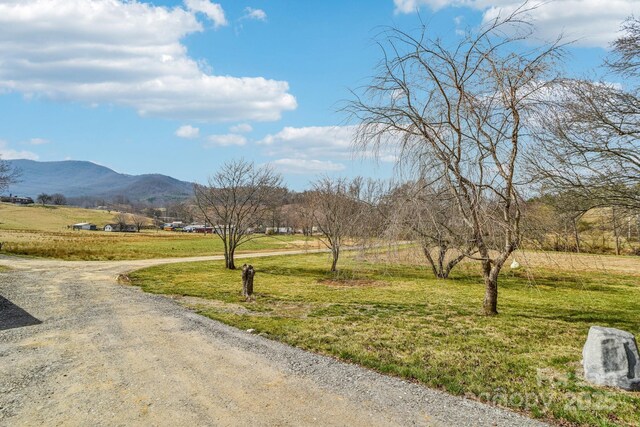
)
(610, 358)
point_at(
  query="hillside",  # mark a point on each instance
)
(48, 218)
(85, 179)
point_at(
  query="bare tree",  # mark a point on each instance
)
(625, 58)
(337, 210)
(8, 175)
(121, 221)
(303, 217)
(589, 133)
(557, 216)
(58, 199)
(238, 197)
(428, 215)
(139, 221)
(458, 115)
(43, 198)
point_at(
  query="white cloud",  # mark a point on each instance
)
(213, 11)
(241, 128)
(592, 22)
(7, 153)
(311, 142)
(227, 140)
(188, 132)
(317, 143)
(38, 141)
(128, 54)
(255, 14)
(304, 167)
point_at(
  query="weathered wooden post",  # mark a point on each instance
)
(247, 280)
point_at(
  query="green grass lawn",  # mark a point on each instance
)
(398, 320)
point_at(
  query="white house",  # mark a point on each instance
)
(116, 227)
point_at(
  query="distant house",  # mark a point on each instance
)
(117, 228)
(17, 200)
(279, 230)
(84, 226)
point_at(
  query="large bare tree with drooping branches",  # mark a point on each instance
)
(458, 116)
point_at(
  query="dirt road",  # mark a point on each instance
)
(78, 349)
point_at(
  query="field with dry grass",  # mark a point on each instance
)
(42, 231)
(528, 259)
(49, 218)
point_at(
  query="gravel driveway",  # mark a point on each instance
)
(78, 349)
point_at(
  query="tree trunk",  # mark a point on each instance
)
(441, 255)
(451, 265)
(616, 234)
(336, 253)
(490, 275)
(427, 253)
(576, 234)
(228, 258)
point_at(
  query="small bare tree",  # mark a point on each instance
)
(337, 210)
(121, 221)
(303, 216)
(237, 198)
(58, 199)
(43, 198)
(428, 214)
(139, 221)
(8, 175)
(458, 114)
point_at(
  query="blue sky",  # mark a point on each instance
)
(178, 87)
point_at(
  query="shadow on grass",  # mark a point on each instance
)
(610, 317)
(12, 316)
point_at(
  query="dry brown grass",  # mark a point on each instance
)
(530, 260)
(48, 218)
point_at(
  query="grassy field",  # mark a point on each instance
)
(48, 218)
(42, 231)
(396, 319)
(97, 245)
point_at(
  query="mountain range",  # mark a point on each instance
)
(81, 179)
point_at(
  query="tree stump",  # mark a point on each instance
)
(247, 280)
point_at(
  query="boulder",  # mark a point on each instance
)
(610, 358)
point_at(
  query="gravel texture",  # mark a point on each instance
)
(76, 348)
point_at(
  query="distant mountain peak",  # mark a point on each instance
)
(77, 178)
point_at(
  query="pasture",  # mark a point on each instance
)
(41, 231)
(395, 318)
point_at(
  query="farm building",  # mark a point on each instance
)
(16, 200)
(84, 226)
(116, 227)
